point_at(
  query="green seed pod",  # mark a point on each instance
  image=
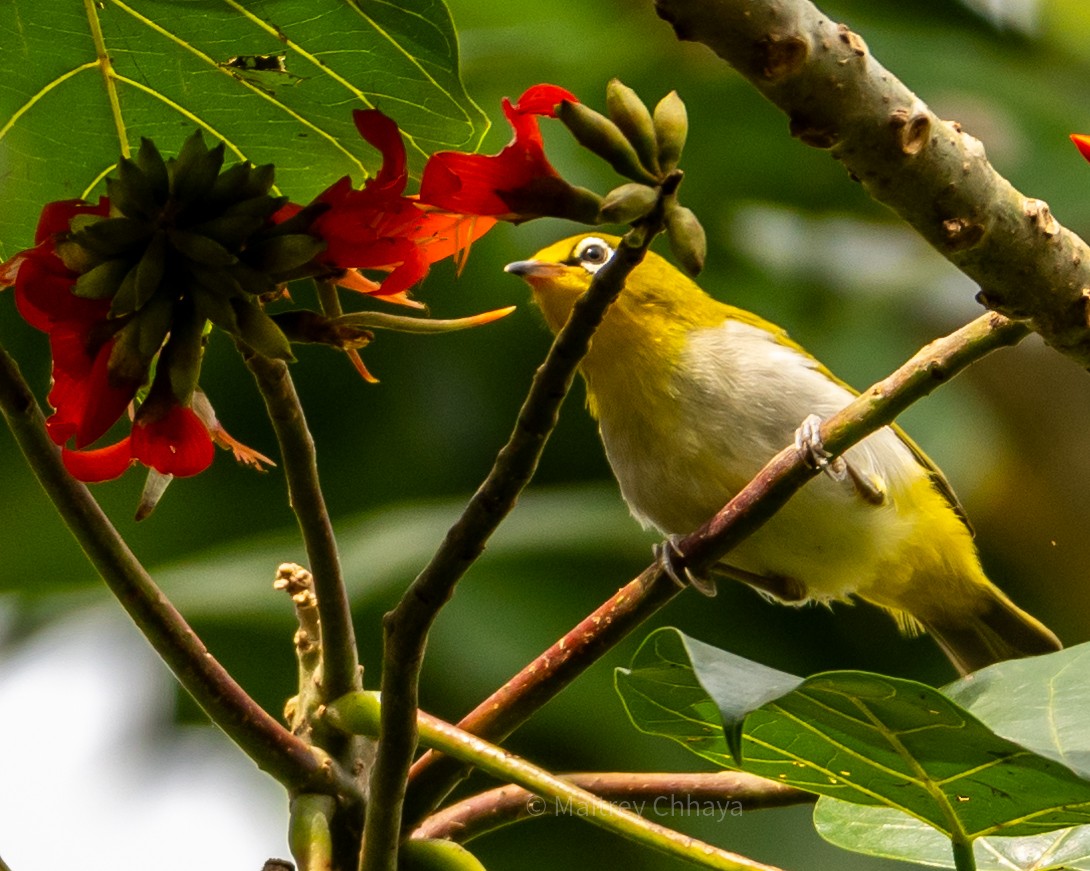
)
(308, 830)
(281, 254)
(687, 238)
(433, 854)
(132, 192)
(102, 281)
(627, 203)
(152, 266)
(260, 332)
(671, 129)
(201, 249)
(154, 168)
(111, 237)
(194, 170)
(597, 133)
(633, 118)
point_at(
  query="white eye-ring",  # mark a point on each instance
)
(592, 253)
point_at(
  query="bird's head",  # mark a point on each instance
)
(656, 296)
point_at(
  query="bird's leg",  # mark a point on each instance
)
(673, 563)
(785, 590)
(808, 443)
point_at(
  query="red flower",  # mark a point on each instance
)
(500, 184)
(87, 397)
(378, 227)
(1082, 142)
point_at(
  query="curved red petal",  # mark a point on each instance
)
(382, 132)
(442, 235)
(56, 216)
(97, 403)
(102, 464)
(543, 99)
(1082, 142)
(177, 444)
(43, 293)
(411, 270)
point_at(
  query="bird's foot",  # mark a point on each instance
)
(786, 591)
(808, 442)
(672, 561)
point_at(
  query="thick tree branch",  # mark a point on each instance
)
(270, 745)
(930, 172)
(407, 625)
(659, 794)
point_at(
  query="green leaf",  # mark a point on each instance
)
(180, 67)
(1051, 717)
(865, 738)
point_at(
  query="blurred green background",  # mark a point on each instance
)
(790, 237)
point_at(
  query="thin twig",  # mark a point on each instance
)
(720, 793)
(270, 745)
(511, 705)
(406, 627)
(358, 713)
(340, 665)
(785, 473)
(932, 173)
(433, 776)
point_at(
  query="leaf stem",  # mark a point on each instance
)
(964, 858)
(357, 713)
(292, 762)
(407, 625)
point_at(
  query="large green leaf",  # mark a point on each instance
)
(1051, 716)
(864, 738)
(277, 80)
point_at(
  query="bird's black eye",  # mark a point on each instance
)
(592, 253)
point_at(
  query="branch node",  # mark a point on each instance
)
(913, 131)
(852, 39)
(961, 234)
(782, 55)
(807, 131)
(1040, 215)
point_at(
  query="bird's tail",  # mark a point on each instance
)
(996, 629)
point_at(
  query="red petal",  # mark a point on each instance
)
(43, 294)
(176, 444)
(383, 134)
(103, 464)
(413, 268)
(543, 100)
(56, 216)
(1082, 142)
(442, 235)
(98, 403)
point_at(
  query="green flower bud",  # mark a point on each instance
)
(671, 129)
(630, 114)
(600, 135)
(687, 238)
(627, 203)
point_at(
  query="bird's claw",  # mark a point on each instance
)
(672, 560)
(808, 443)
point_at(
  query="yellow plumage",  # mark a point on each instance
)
(693, 396)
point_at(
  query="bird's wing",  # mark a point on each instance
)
(937, 477)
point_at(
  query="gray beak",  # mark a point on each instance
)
(532, 268)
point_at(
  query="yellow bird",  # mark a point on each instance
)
(693, 396)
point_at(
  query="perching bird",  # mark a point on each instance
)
(693, 397)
